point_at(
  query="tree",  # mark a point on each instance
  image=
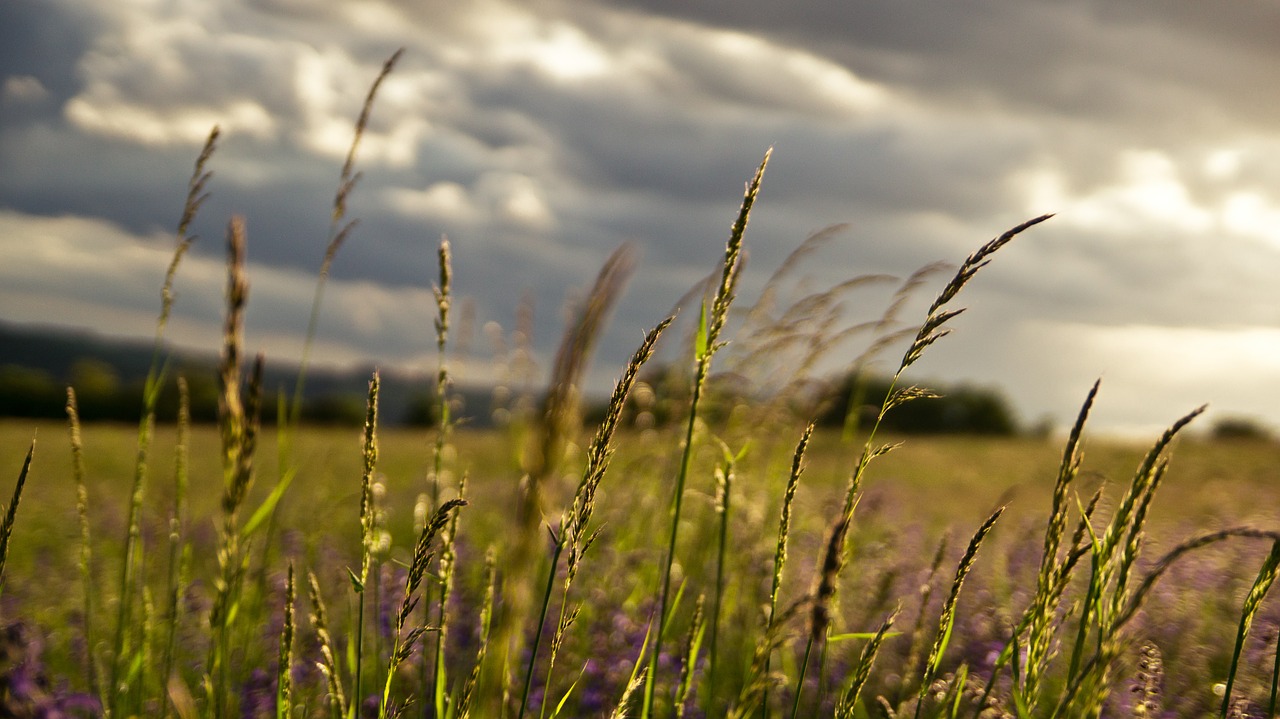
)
(26, 392)
(959, 409)
(1239, 428)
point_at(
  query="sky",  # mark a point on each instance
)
(541, 136)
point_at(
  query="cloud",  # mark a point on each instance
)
(94, 274)
(23, 89)
(1140, 365)
(540, 136)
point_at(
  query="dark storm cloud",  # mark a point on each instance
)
(45, 40)
(541, 136)
(1076, 58)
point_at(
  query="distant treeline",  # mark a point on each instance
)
(838, 402)
(957, 409)
(102, 395)
(37, 365)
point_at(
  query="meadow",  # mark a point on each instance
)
(932, 489)
(731, 561)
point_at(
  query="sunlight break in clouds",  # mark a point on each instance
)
(1253, 214)
(558, 49)
(1147, 191)
(180, 126)
(1139, 364)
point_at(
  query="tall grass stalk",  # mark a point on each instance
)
(133, 559)
(862, 670)
(576, 535)
(543, 453)
(724, 493)
(1039, 619)
(947, 621)
(238, 419)
(823, 600)
(443, 292)
(360, 582)
(931, 330)
(557, 548)
(692, 648)
(784, 532)
(85, 558)
(130, 569)
(1113, 555)
(290, 409)
(336, 699)
(423, 554)
(707, 344)
(284, 668)
(179, 547)
(339, 229)
(447, 568)
(914, 661)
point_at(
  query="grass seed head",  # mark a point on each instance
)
(828, 579)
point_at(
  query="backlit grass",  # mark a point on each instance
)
(725, 562)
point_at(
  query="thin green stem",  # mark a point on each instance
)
(542, 619)
(724, 493)
(804, 669)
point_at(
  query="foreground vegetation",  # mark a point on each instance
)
(731, 562)
(930, 490)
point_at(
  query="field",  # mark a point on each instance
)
(930, 489)
(726, 560)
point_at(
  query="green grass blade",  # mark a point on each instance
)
(1261, 586)
(11, 512)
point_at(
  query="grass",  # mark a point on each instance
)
(733, 561)
(890, 547)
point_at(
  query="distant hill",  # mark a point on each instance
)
(37, 364)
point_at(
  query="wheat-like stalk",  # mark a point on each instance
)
(708, 342)
(284, 668)
(575, 535)
(422, 556)
(328, 662)
(360, 583)
(862, 670)
(947, 621)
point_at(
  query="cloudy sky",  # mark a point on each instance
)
(541, 136)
